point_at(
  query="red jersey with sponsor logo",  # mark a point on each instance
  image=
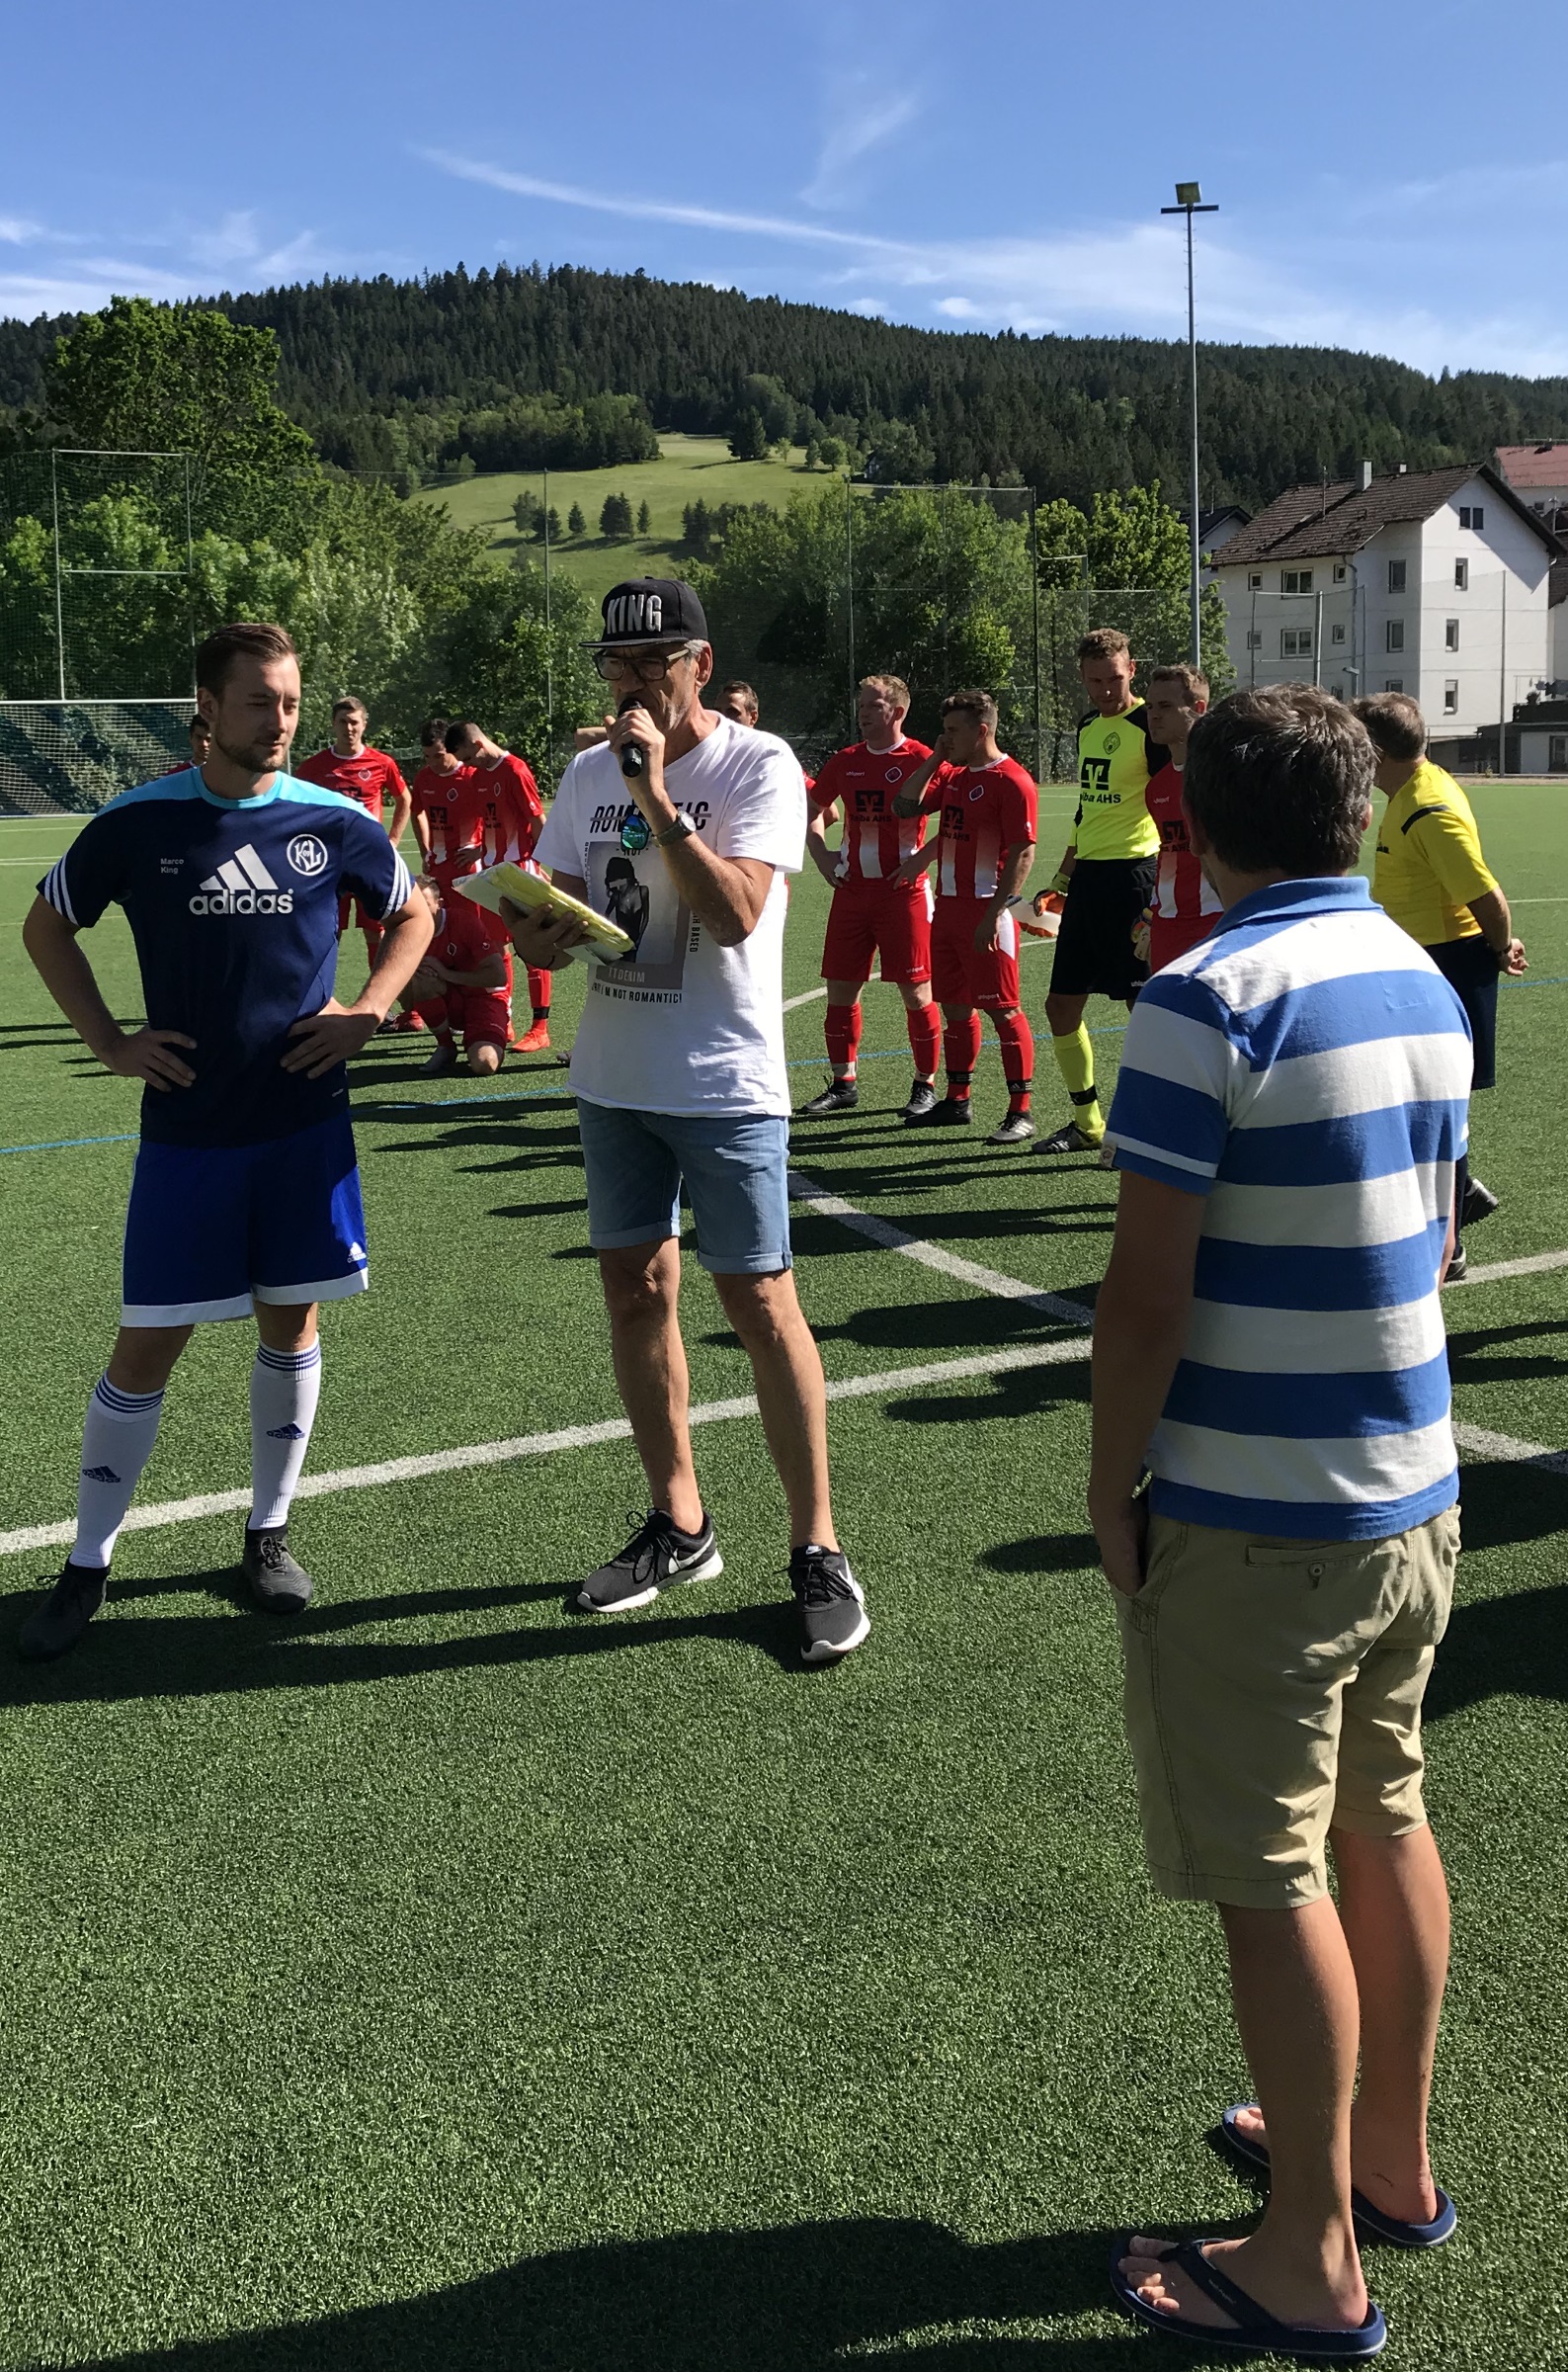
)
(876, 840)
(466, 935)
(371, 778)
(1185, 906)
(984, 810)
(480, 816)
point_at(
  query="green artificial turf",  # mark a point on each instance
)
(447, 1981)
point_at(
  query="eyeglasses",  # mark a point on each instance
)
(636, 834)
(615, 665)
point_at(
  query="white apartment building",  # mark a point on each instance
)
(1432, 582)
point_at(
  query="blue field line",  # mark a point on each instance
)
(58, 1144)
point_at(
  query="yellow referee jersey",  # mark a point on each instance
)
(1116, 759)
(1429, 859)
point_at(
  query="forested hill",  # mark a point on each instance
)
(385, 374)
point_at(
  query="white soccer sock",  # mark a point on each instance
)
(284, 1386)
(116, 1442)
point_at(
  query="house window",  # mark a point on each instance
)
(1255, 584)
(1451, 634)
(1461, 576)
(1295, 642)
(1253, 640)
(1295, 580)
(1472, 515)
(1393, 683)
(1396, 577)
(1451, 698)
(1336, 633)
(1557, 753)
(1339, 572)
(1396, 634)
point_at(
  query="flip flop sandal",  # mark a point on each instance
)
(1371, 2221)
(1254, 2330)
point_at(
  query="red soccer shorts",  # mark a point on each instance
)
(1172, 937)
(478, 1016)
(960, 974)
(864, 921)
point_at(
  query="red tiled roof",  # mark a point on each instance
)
(1526, 465)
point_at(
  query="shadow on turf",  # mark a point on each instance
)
(1507, 1647)
(129, 1656)
(801, 2298)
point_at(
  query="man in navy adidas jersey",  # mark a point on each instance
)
(246, 1194)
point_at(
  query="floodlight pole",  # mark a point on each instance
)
(1188, 203)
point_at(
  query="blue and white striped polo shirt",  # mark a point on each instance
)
(1307, 1068)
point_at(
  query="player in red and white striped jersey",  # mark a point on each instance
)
(1186, 907)
(368, 776)
(983, 852)
(874, 909)
(493, 818)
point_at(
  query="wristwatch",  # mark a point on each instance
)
(681, 829)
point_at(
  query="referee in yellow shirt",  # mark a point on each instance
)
(1431, 879)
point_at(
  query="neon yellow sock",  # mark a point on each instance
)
(1075, 1059)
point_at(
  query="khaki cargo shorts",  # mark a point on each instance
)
(1273, 1692)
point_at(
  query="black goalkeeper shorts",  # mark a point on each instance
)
(1094, 948)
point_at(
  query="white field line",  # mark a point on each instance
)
(1536, 1266)
(812, 997)
(1503, 1447)
(890, 1238)
(544, 1445)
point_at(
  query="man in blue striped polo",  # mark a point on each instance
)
(1269, 1344)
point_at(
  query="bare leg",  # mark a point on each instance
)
(144, 1357)
(642, 1292)
(1294, 1993)
(766, 1314)
(286, 1325)
(1394, 1910)
(1064, 1015)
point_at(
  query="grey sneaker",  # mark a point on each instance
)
(1069, 1140)
(839, 1095)
(833, 1616)
(57, 1622)
(656, 1555)
(276, 1583)
(1016, 1129)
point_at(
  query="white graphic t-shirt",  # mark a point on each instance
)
(684, 1025)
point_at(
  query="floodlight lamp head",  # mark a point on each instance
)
(1188, 193)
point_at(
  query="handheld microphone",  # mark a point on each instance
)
(633, 763)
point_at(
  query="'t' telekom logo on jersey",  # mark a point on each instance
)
(242, 885)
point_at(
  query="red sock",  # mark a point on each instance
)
(539, 993)
(842, 1030)
(1017, 1058)
(960, 1051)
(924, 1038)
(373, 941)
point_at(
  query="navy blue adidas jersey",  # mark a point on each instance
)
(233, 907)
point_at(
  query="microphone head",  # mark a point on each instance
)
(632, 761)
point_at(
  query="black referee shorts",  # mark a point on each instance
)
(1470, 968)
(1094, 947)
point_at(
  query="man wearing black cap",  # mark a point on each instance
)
(679, 1071)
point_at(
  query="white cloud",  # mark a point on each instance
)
(958, 308)
(872, 306)
(861, 115)
(16, 232)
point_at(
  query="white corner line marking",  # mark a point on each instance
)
(811, 997)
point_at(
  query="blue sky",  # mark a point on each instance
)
(1391, 176)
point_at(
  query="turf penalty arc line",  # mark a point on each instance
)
(544, 1445)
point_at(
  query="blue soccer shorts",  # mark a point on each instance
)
(214, 1229)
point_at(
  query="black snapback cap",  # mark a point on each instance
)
(652, 609)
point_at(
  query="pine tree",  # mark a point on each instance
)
(644, 521)
(576, 523)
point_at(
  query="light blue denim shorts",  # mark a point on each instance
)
(733, 1172)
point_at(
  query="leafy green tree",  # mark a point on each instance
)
(526, 512)
(900, 454)
(492, 656)
(644, 517)
(576, 523)
(748, 439)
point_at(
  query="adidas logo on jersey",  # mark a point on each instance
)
(242, 885)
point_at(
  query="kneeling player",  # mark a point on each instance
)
(461, 989)
(983, 851)
(876, 909)
(246, 1197)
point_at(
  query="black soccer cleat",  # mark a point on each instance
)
(1069, 1138)
(1479, 1203)
(953, 1112)
(656, 1556)
(1016, 1129)
(922, 1099)
(839, 1095)
(1454, 1273)
(55, 1623)
(277, 1583)
(833, 1616)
